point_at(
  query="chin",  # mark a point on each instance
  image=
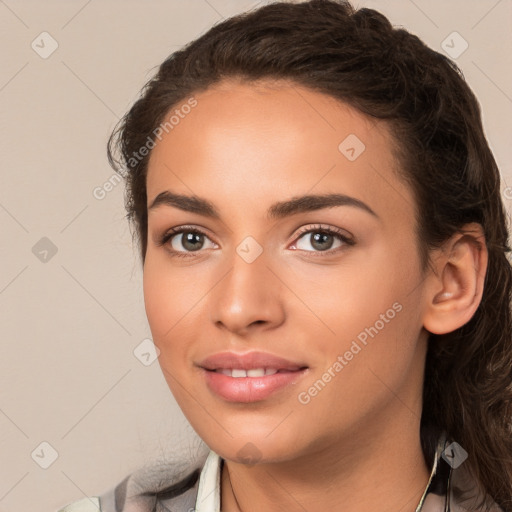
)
(252, 449)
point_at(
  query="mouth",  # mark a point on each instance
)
(251, 376)
(237, 385)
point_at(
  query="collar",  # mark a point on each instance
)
(208, 494)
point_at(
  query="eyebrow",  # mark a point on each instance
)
(277, 210)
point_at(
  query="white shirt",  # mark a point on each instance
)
(208, 494)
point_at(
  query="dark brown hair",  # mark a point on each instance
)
(387, 73)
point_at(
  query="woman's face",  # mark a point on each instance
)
(333, 288)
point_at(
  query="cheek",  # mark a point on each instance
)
(155, 301)
(168, 295)
(367, 284)
(163, 311)
(163, 300)
(174, 302)
(372, 311)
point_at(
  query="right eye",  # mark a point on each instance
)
(185, 240)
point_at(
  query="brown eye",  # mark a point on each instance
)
(190, 240)
(182, 241)
(322, 240)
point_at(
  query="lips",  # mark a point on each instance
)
(249, 361)
(250, 377)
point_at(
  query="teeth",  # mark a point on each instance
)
(254, 372)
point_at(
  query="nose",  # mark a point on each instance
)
(248, 297)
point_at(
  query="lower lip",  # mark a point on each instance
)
(249, 389)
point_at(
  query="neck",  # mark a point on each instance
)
(380, 467)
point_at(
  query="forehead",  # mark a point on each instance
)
(254, 140)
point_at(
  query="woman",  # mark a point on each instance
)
(325, 270)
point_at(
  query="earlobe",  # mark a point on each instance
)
(454, 291)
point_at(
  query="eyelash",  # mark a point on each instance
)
(310, 229)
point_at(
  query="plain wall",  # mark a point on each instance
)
(69, 324)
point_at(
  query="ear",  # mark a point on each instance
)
(454, 286)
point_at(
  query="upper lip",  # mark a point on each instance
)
(248, 361)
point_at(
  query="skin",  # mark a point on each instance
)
(356, 444)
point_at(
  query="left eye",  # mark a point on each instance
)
(322, 240)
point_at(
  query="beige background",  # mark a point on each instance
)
(69, 325)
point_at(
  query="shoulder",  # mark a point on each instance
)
(171, 484)
(467, 493)
(179, 494)
(85, 505)
(463, 490)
